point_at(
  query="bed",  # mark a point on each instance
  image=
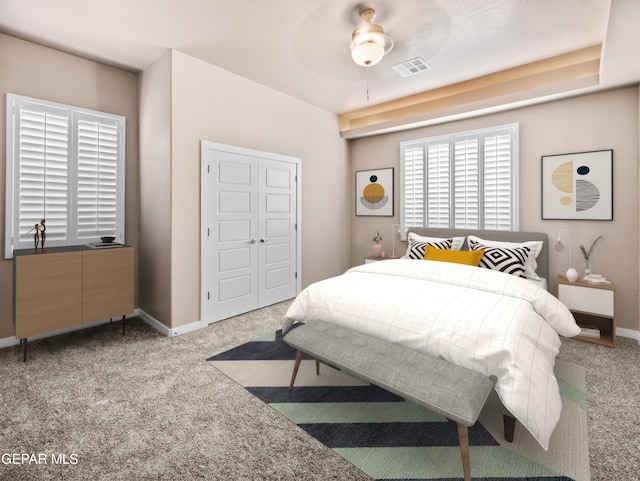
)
(493, 322)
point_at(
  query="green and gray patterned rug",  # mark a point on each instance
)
(391, 439)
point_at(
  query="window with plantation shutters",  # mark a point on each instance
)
(64, 165)
(464, 181)
(97, 176)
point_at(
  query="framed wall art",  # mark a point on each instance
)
(578, 186)
(374, 192)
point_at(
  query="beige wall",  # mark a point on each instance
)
(154, 254)
(209, 103)
(593, 122)
(35, 71)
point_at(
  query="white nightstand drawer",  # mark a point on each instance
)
(584, 299)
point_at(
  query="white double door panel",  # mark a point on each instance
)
(249, 251)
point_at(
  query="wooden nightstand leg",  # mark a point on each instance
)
(123, 324)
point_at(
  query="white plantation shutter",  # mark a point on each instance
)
(466, 187)
(65, 165)
(438, 185)
(43, 151)
(470, 180)
(412, 172)
(97, 177)
(498, 180)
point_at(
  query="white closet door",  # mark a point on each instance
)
(277, 245)
(232, 235)
(249, 236)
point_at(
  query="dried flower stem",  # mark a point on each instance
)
(587, 254)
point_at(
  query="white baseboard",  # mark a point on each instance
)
(628, 333)
(170, 332)
(8, 341)
(13, 341)
(194, 326)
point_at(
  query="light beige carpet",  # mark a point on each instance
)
(144, 406)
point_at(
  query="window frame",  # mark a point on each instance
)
(74, 115)
(450, 140)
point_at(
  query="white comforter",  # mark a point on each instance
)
(491, 322)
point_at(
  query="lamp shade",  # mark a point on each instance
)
(367, 53)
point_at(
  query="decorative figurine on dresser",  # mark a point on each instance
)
(39, 235)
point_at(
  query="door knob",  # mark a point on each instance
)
(252, 241)
(262, 239)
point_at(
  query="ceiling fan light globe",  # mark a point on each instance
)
(369, 42)
(367, 53)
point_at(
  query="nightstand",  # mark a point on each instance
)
(591, 305)
(369, 259)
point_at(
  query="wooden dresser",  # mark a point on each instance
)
(66, 287)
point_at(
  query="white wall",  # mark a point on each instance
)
(606, 120)
(213, 104)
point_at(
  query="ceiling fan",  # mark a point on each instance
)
(368, 41)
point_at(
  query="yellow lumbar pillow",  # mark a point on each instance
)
(471, 258)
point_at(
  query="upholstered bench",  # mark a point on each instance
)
(455, 392)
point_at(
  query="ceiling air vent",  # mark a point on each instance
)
(411, 67)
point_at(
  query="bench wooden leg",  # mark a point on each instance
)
(509, 427)
(295, 369)
(463, 438)
(317, 367)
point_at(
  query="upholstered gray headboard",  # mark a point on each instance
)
(505, 236)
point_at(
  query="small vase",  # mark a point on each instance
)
(377, 250)
(572, 274)
(587, 268)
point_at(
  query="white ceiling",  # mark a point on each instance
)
(301, 47)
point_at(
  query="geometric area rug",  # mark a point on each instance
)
(391, 439)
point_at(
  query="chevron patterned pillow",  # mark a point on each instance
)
(417, 248)
(507, 260)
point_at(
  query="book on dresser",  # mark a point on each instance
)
(589, 331)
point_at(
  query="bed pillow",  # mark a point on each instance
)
(530, 264)
(416, 249)
(416, 244)
(510, 260)
(471, 258)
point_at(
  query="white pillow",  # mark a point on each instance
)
(456, 242)
(530, 265)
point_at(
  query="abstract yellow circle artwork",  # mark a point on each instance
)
(374, 192)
